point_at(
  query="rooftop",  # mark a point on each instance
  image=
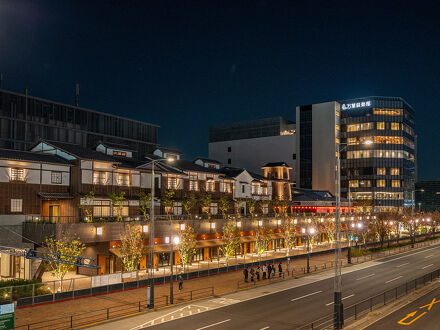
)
(32, 157)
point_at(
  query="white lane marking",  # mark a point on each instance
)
(307, 295)
(431, 255)
(406, 263)
(264, 328)
(361, 278)
(331, 303)
(214, 324)
(428, 266)
(393, 279)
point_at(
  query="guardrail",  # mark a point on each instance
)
(104, 314)
(354, 312)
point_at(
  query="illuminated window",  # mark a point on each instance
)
(395, 183)
(364, 183)
(380, 183)
(359, 127)
(388, 139)
(337, 128)
(101, 208)
(17, 174)
(123, 179)
(352, 141)
(381, 171)
(172, 183)
(227, 188)
(354, 183)
(388, 112)
(395, 126)
(214, 208)
(16, 205)
(193, 183)
(177, 208)
(210, 185)
(100, 177)
(380, 125)
(395, 171)
(119, 153)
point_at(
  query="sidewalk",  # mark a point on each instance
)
(222, 283)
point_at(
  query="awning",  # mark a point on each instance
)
(116, 252)
(47, 195)
(209, 243)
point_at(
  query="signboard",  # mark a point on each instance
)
(7, 316)
(356, 105)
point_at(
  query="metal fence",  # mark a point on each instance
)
(354, 312)
(104, 314)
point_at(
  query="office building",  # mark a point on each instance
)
(427, 196)
(25, 119)
(252, 144)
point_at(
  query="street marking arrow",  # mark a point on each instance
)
(402, 321)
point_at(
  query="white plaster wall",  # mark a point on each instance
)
(86, 176)
(135, 179)
(146, 180)
(86, 164)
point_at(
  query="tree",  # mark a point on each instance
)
(329, 229)
(118, 203)
(251, 204)
(435, 220)
(205, 202)
(188, 203)
(289, 231)
(87, 207)
(224, 204)
(144, 203)
(187, 245)
(231, 239)
(132, 247)
(261, 241)
(167, 202)
(237, 206)
(379, 226)
(275, 203)
(67, 249)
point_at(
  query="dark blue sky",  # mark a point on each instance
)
(188, 64)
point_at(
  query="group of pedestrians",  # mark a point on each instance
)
(267, 272)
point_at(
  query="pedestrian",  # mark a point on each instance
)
(280, 269)
(269, 271)
(273, 270)
(252, 274)
(246, 274)
(264, 272)
(257, 272)
(180, 279)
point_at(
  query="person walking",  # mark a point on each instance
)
(273, 271)
(252, 274)
(280, 269)
(257, 272)
(264, 272)
(246, 274)
(269, 271)
(180, 279)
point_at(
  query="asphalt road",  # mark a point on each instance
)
(295, 307)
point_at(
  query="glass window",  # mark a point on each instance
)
(16, 205)
(380, 183)
(172, 183)
(395, 183)
(380, 125)
(101, 208)
(56, 177)
(395, 126)
(395, 171)
(354, 183)
(123, 179)
(352, 141)
(210, 185)
(17, 174)
(388, 112)
(100, 177)
(193, 183)
(364, 183)
(381, 171)
(388, 139)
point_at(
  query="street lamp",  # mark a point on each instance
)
(338, 320)
(176, 242)
(413, 192)
(150, 296)
(310, 231)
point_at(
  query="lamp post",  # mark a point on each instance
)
(338, 320)
(413, 231)
(176, 241)
(308, 232)
(150, 298)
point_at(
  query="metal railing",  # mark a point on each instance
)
(104, 314)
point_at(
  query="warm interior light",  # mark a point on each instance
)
(145, 228)
(368, 142)
(98, 230)
(176, 240)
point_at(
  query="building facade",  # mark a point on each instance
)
(427, 196)
(251, 144)
(379, 175)
(25, 119)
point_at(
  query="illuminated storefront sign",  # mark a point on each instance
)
(356, 105)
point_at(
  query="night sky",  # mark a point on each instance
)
(186, 65)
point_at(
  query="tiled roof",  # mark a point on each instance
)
(32, 157)
(186, 165)
(115, 146)
(232, 172)
(170, 150)
(79, 151)
(207, 160)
